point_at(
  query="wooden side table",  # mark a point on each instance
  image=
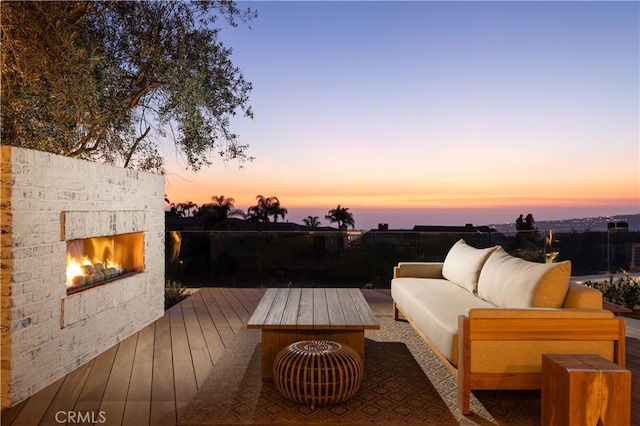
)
(584, 390)
(615, 308)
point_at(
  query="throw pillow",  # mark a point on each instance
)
(510, 282)
(463, 264)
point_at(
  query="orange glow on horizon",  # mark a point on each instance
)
(415, 200)
(569, 189)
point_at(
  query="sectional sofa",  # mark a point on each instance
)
(490, 316)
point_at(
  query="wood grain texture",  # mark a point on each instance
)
(542, 329)
(584, 390)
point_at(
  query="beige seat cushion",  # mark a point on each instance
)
(433, 305)
(463, 264)
(510, 282)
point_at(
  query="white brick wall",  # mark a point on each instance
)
(48, 333)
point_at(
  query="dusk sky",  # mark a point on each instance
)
(434, 113)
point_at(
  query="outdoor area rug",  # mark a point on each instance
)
(404, 383)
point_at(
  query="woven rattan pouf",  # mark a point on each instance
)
(318, 372)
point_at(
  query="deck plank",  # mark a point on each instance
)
(210, 334)
(68, 393)
(247, 299)
(379, 301)
(34, 408)
(9, 414)
(115, 394)
(112, 378)
(138, 407)
(202, 364)
(96, 384)
(163, 405)
(238, 307)
(254, 294)
(221, 324)
(230, 315)
(235, 322)
(183, 373)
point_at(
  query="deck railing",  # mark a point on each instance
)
(321, 258)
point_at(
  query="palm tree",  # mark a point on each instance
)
(172, 207)
(221, 207)
(342, 216)
(264, 208)
(187, 209)
(275, 209)
(219, 210)
(258, 212)
(311, 222)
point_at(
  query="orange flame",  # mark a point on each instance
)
(74, 267)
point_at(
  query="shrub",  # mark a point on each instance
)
(624, 291)
(173, 293)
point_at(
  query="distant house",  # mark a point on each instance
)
(468, 228)
(427, 242)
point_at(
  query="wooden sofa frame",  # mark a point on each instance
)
(476, 329)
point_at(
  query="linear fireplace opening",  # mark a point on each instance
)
(99, 260)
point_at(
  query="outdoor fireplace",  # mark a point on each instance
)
(91, 262)
(55, 319)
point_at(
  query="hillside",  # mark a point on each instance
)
(582, 224)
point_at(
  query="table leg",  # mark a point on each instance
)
(355, 339)
(270, 348)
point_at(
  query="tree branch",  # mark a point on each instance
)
(136, 98)
(77, 152)
(135, 146)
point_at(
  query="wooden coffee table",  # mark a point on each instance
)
(289, 315)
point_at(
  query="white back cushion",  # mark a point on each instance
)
(463, 264)
(511, 282)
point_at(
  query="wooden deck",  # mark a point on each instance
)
(150, 377)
